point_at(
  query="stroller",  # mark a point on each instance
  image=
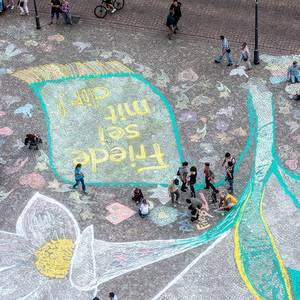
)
(33, 141)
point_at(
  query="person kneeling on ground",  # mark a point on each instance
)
(137, 195)
(195, 213)
(227, 201)
(144, 208)
(294, 72)
(296, 96)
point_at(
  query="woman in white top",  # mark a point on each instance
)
(245, 56)
(144, 208)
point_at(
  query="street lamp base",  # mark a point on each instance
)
(37, 21)
(256, 57)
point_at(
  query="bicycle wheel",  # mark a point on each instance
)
(118, 4)
(100, 11)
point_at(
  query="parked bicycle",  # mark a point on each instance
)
(106, 6)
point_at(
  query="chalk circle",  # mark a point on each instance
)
(163, 215)
(6, 131)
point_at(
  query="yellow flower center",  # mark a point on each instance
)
(53, 259)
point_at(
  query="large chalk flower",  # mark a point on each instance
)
(35, 261)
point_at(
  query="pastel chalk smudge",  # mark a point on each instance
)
(16, 166)
(33, 180)
(2, 114)
(292, 164)
(56, 37)
(6, 131)
(25, 111)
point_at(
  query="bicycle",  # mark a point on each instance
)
(105, 6)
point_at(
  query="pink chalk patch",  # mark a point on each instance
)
(2, 113)
(118, 213)
(56, 37)
(292, 164)
(16, 167)
(34, 180)
(5, 131)
(203, 201)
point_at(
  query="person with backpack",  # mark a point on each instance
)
(191, 180)
(209, 177)
(176, 8)
(225, 51)
(182, 173)
(174, 191)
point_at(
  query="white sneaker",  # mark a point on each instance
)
(113, 11)
(12, 7)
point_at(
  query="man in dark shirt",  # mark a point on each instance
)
(176, 8)
(55, 10)
(170, 24)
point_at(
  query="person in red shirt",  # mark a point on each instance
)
(209, 176)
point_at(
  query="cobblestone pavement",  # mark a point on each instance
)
(278, 26)
(73, 246)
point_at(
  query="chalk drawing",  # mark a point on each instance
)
(162, 79)
(284, 106)
(163, 215)
(296, 114)
(10, 52)
(201, 100)
(42, 162)
(81, 46)
(224, 138)
(207, 148)
(25, 110)
(118, 213)
(296, 138)
(228, 112)
(161, 193)
(221, 125)
(127, 128)
(6, 131)
(10, 100)
(2, 114)
(203, 202)
(56, 38)
(31, 43)
(240, 71)
(188, 117)
(293, 126)
(278, 66)
(33, 180)
(46, 47)
(292, 89)
(223, 89)
(292, 164)
(58, 187)
(4, 195)
(199, 135)
(86, 215)
(188, 75)
(15, 167)
(239, 131)
(28, 58)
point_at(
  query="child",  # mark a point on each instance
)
(144, 208)
(174, 191)
(79, 178)
(137, 195)
(209, 176)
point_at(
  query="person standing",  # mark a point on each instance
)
(228, 157)
(245, 56)
(209, 177)
(229, 176)
(112, 296)
(23, 7)
(182, 173)
(191, 179)
(225, 50)
(66, 11)
(170, 24)
(294, 72)
(176, 8)
(174, 191)
(55, 10)
(11, 4)
(79, 178)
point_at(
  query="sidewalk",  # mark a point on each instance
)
(202, 18)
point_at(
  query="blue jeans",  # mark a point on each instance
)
(228, 57)
(79, 181)
(295, 78)
(67, 18)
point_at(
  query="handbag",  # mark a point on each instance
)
(228, 50)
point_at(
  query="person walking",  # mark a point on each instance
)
(182, 173)
(225, 50)
(174, 191)
(209, 177)
(79, 178)
(11, 4)
(170, 24)
(23, 5)
(245, 56)
(176, 8)
(66, 11)
(294, 72)
(55, 10)
(191, 180)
